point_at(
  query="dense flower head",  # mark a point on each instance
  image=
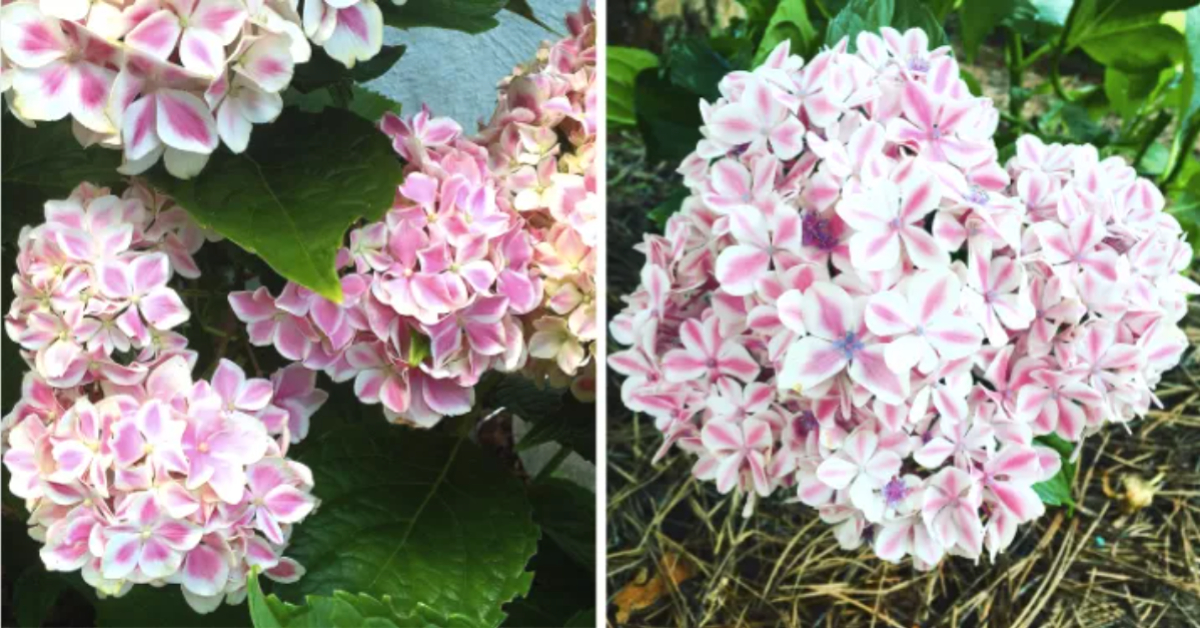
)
(170, 79)
(133, 472)
(858, 306)
(484, 262)
(541, 144)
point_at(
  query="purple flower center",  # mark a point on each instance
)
(894, 492)
(935, 133)
(977, 195)
(817, 232)
(917, 63)
(849, 345)
(805, 424)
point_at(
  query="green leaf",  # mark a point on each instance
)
(915, 14)
(367, 104)
(561, 588)
(525, 398)
(789, 22)
(1136, 46)
(339, 609)
(858, 16)
(668, 117)
(582, 619)
(693, 65)
(260, 610)
(1126, 91)
(624, 64)
(149, 607)
(322, 70)
(573, 427)
(287, 200)
(566, 513)
(45, 163)
(1127, 34)
(35, 595)
(1183, 146)
(522, 8)
(871, 15)
(426, 519)
(979, 18)
(1057, 490)
(668, 207)
(468, 16)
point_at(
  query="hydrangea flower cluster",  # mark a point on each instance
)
(170, 79)
(484, 260)
(541, 146)
(133, 472)
(858, 306)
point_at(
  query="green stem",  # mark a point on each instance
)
(1015, 55)
(1059, 51)
(1035, 56)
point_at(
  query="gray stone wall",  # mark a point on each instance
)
(456, 73)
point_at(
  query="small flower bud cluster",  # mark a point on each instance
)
(860, 307)
(134, 473)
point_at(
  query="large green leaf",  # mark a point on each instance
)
(871, 15)
(624, 64)
(422, 518)
(368, 104)
(789, 22)
(323, 71)
(290, 198)
(693, 65)
(858, 16)
(916, 14)
(40, 164)
(148, 607)
(339, 609)
(1126, 91)
(469, 16)
(668, 117)
(1134, 45)
(979, 18)
(561, 589)
(566, 513)
(1183, 147)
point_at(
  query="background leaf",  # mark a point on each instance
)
(426, 519)
(322, 71)
(469, 16)
(624, 64)
(44, 163)
(293, 194)
(561, 589)
(979, 19)
(668, 117)
(566, 513)
(858, 16)
(790, 21)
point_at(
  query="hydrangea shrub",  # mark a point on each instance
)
(135, 472)
(860, 308)
(467, 253)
